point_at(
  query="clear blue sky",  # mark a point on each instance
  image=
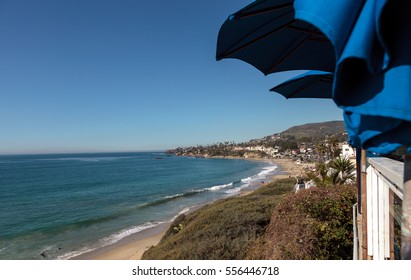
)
(128, 75)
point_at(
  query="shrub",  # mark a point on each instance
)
(312, 224)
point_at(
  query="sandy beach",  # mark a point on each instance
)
(129, 248)
(132, 247)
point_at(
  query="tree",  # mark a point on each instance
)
(342, 171)
(337, 172)
(319, 176)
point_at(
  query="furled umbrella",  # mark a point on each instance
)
(266, 35)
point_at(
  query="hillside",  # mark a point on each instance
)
(270, 223)
(308, 137)
(316, 130)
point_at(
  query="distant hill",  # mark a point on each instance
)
(290, 139)
(316, 130)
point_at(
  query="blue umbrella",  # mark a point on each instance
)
(312, 84)
(371, 41)
(318, 84)
(267, 35)
(371, 132)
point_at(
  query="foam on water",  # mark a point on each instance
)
(109, 240)
(246, 182)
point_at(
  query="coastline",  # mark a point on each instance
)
(132, 247)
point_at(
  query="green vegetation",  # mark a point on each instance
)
(270, 223)
(316, 130)
(318, 141)
(337, 172)
(311, 224)
(225, 229)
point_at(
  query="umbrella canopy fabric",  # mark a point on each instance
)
(377, 134)
(267, 35)
(365, 43)
(372, 83)
(372, 75)
(312, 84)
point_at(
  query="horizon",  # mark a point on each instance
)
(132, 77)
(142, 151)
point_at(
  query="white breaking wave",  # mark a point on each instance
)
(219, 187)
(234, 191)
(109, 240)
(174, 196)
(267, 171)
(261, 175)
(185, 210)
(124, 233)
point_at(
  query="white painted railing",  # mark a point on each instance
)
(384, 179)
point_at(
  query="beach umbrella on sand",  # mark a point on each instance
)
(371, 41)
(267, 35)
(312, 84)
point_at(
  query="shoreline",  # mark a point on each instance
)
(133, 246)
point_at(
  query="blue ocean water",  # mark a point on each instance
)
(59, 206)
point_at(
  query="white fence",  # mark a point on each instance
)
(384, 181)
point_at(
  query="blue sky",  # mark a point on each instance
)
(111, 75)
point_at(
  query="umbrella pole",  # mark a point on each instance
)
(406, 211)
(364, 203)
(358, 175)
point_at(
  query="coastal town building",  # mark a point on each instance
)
(347, 151)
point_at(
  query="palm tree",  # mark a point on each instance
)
(336, 173)
(342, 171)
(320, 175)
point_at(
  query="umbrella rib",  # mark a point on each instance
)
(326, 79)
(287, 54)
(311, 32)
(254, 40)
(303, 88)
(262, 11)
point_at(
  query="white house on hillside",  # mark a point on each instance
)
(347, 151)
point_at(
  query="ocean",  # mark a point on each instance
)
(60, 206)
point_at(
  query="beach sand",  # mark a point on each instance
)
(132, 247)
(129, 248)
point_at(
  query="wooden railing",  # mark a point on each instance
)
(384, 202)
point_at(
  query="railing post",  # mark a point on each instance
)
(406, 211)
(364, 203)
(355, 239)
(391, 224)
(358, 158)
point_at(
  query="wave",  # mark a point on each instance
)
(115, 237)
(185, 210)
(186, 194)
(234, 191)
(230, 189)
(268, 170)
(110, 239)
(127, 211)
(126, 232)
